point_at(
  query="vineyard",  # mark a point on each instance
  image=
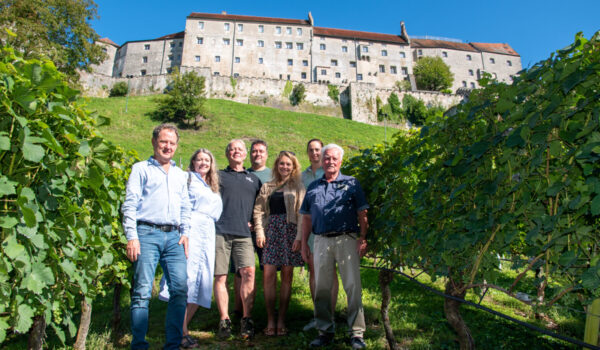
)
(508, 179)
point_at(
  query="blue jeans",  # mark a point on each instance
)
(158, 246)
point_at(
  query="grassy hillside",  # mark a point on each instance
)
(226, 120)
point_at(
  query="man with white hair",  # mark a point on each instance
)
(335, 209)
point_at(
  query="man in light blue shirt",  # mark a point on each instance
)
(156, 219)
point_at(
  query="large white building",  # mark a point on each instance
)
(294, 49)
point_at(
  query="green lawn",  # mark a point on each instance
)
(416, 314)
(226, 120)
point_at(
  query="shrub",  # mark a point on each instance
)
(297, 95)
(394, 103)
(333, 93)
(119, 89)
(287, 90)
(433, 74)
(185, 100)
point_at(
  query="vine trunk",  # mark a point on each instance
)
(452, 311)
(37, 333)
(84, 325)
(385, 278)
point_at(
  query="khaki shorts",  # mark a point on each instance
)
(239, 248)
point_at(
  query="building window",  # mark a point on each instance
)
(464, 83)
(147, 47)
(170, 57)
(444, 54)
(199, 40)
(352, 64)
(197, 58)
(145, 59)
(300, 46)
(226, 41)
(178, 57)
(143, 72)
(239, 42)
(344, 48)
(472, 85)
(393, 70)
(278, 44)
(303, 75)
(509, 63)
(381, 68)
(334, 63)
(402, 54)
(288, 30)
(290, 62)
(172, 44)
(169, 70)
(237, 60)
(383, 52)
(322, 46)
(469, 57)
(216, 74)
(299, 31)
(261, 43)
(305, 63)
(323, 72)
(236, 75)
(226, 26)
(471, 73)
(261, 28)
(365, 48)
(200, 25)
(240, 27)
(277, 30)
(260, 60)
(404, 71)
(338, 75)
(419, 52)
(217, 58)
(359, 77)
(289, 46)
(492, 60)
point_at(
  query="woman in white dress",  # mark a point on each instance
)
(203, 188)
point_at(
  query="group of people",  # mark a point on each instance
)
(202, 224)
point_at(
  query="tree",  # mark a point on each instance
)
(185, 99)
(297, 95)
(57, 29)
(432, 74)
(394, 103)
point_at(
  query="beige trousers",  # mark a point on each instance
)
(327, 252)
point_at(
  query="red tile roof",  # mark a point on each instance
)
(178, 35)
(108, 41)
(504, 49)
(353, 34)
(440, 44)
(248, 18)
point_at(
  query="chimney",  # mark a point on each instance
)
(310, 19)
(403, 32)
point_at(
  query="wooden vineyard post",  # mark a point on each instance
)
(592, 323)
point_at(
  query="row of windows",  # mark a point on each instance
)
(468, 57)
(261, 28)
(171, 57)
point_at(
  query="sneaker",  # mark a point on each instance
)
(247, 328)
(357, 343)
(311, 325)
(187, 342)
(224, 329)
(322, 340)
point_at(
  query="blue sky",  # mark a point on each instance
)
(534, 28)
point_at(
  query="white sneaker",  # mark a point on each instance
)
(311, 325)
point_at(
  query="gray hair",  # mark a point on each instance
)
(332, 146)
(161, 127)
(234, 141)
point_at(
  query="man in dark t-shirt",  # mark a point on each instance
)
(239, 189)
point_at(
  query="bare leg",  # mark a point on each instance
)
(190, 310)
(237, 282)
(247, 289)
(270, 291)
(285, 292)
(221, 296)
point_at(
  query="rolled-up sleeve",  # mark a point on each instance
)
(132, 198)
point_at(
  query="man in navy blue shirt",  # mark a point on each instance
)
(335, 208)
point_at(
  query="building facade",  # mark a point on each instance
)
(296, 50)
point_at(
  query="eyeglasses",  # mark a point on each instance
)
(282, 153)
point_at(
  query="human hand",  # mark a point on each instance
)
(260, 241)
(184, 240)
(361, 246)
(297, 245)
(133, 249)
(305, 251)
